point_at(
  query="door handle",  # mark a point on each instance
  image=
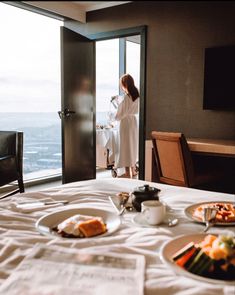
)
(65, 113)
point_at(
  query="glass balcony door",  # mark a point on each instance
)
(114, 57)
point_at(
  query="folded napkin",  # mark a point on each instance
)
(32, 205)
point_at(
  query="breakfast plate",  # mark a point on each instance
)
(190, 210)
(174, 245)
(48, 222)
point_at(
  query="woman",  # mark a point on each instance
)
(128, 129)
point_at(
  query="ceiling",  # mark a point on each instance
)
(74, 9)
(95, 5)
(134, 39)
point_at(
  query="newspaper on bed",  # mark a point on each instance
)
(53, 270)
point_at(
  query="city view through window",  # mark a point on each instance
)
(30, 86)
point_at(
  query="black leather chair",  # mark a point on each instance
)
(11, 160)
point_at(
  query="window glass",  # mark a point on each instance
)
(133, 61)
(30, 86)
(107, 76)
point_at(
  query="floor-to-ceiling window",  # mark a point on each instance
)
(107, 77)
(133, 58)
(30, 86)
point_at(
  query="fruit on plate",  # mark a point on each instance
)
(225, 212)
(214, 257)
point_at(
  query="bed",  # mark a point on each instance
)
(18, 233)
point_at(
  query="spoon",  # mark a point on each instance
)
(173, 222)
(209, 215)
(129, 208)
(122, 203)
(122, 211)
(125, 208)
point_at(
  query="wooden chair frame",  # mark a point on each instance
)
(185, 157)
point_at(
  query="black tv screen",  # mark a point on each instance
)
(219, 78)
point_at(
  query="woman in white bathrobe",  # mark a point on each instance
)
(128, 128)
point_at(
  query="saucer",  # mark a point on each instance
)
(138, 219)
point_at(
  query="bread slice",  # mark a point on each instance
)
(92, 227)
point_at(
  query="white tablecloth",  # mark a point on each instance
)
(18, 233)
(109, 139)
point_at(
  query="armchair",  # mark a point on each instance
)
(11, 160)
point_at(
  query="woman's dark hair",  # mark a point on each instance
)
(128, 82)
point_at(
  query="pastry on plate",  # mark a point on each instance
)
(81, 226)
(123, 197)
(225, 211)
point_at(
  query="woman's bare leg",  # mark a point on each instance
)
(133, 172)
(127, 170)
(126, 174)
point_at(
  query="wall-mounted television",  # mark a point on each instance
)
(219, 78)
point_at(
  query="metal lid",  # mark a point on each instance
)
(146, 189)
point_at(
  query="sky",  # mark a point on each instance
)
(107, 73)
(30, 63)
(107, 70)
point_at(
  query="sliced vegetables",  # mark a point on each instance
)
(214, 257)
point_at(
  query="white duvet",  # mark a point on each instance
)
(18, 233)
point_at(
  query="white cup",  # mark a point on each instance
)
(153, 212)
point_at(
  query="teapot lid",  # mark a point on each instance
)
(146, 189)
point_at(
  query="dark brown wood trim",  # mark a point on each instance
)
(142, 31)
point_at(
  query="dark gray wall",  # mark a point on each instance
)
(178, 32)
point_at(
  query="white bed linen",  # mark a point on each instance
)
(18, 233)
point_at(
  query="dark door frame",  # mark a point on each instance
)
(142, 31)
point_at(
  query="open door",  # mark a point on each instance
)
(77, 107)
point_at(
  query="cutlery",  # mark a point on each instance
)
(209, 215)
(39, 204)
(173, 222)
(122, 204)
(112, 202)
(56, 202)
(122, 211)
(124, 208)
(129, 208)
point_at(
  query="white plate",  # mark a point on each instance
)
(190, 209)
(172, 246)
(138, 219)
(47, 222)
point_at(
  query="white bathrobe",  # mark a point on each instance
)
(128, 129)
